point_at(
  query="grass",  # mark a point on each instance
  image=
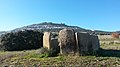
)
(65, 61)
(110, 46)
(110, 39)
(109, 56)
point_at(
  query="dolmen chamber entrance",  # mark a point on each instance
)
(71, 42)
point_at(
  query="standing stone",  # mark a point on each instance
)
(95, 42)
(87, 43)
(67, 41)
(77, 42)
(47, 40)
(83, 41)
(54, 43)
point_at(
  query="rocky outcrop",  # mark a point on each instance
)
(21, 40)
(67, 41)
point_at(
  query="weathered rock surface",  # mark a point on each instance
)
(79, 42)
(86, 42)
(83, 41)
(54, 43)
(95, 43)
(67, 41)
(21, 40)
(49, 41)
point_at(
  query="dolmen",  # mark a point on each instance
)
(71, 42)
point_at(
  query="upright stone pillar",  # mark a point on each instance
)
(47, 40)
(67, 41)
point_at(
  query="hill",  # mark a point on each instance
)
(3, 32)
(55, 27)
(49, 26)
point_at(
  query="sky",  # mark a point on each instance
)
(89, 14)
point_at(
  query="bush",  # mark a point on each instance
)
(115, 35)
(47, 53)
(21, 40)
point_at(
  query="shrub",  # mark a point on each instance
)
(22, 40)
(47, 53)
(115, 35)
